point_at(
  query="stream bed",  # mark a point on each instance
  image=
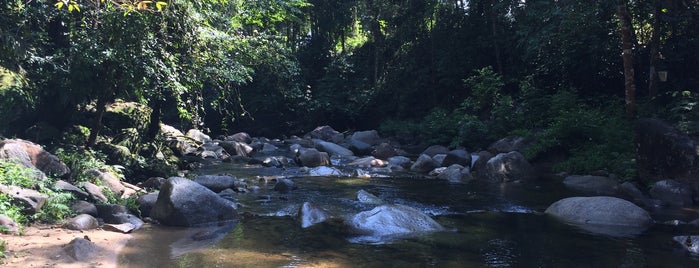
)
(488, 225)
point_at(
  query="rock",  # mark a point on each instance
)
(81, 222)
(481, 161)
(367, 162)
(268, 148)
(602, 214)
(387, 220)
(672, 193)
(178, 142)
(457, 156)
(332, 149)
(198, 136)
(370, 137)
(217, 183)
(107, 179)
(359, 147)
(384, 151)
(284, 185)
(324, 172)
(32, 156)
(508, 144)
(81, 249)
(399, 161)
(121, 115)
(116, 154)
(30, 200)
(7, 225)
(506, 167)
(277, 161)
(665, 152)
(325, 133)
(182, 202)
(313, 158)
(365, 197)
(213, 151)
(589, 184)
(689, 243)
(146, 202)
(94, 191)
(153, 183)
(240, 137)
(310, 215)
(423, 164)
(434, 150)
(439, 158)
(237, 148)
(120, 228)
(455, 173)
(84, 207)
(64, 186)
(630, 191)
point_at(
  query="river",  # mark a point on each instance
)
(488, 225)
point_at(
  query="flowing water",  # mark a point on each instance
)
(488, 226)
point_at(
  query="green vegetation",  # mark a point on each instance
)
(458, 73)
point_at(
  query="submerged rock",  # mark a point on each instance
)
(689, 243)
(388, 220)
(365, 197)
(310, 214)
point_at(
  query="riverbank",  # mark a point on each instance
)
(44, 246)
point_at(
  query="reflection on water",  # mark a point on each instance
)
(488, 226)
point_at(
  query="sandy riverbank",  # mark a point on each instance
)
(43, 246)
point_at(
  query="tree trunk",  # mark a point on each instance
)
(97, 123)
(627, 57)
(654, 53)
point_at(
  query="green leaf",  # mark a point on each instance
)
(159, 5)
(59, 4)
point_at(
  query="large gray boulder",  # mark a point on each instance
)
(32, 156)
(198, 135)
(325, 133)
(602, 214)
(370, 137)
(218, 183)
(182, 202)
(459, 157)
(424, 164)
(508, 144)
(506, 167)
(386, 220)
(237, 148)
(672, 192)
(435, 150)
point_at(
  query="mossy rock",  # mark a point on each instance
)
(116, 154)
(121, 115)
(76, 135)
(129, 138)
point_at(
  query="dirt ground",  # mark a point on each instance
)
(42, 246)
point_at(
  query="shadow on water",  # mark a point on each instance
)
(488, 226)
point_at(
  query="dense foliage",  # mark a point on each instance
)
(462, 73)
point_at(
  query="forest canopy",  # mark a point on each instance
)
(462, 73)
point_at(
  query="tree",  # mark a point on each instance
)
(627, 56)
